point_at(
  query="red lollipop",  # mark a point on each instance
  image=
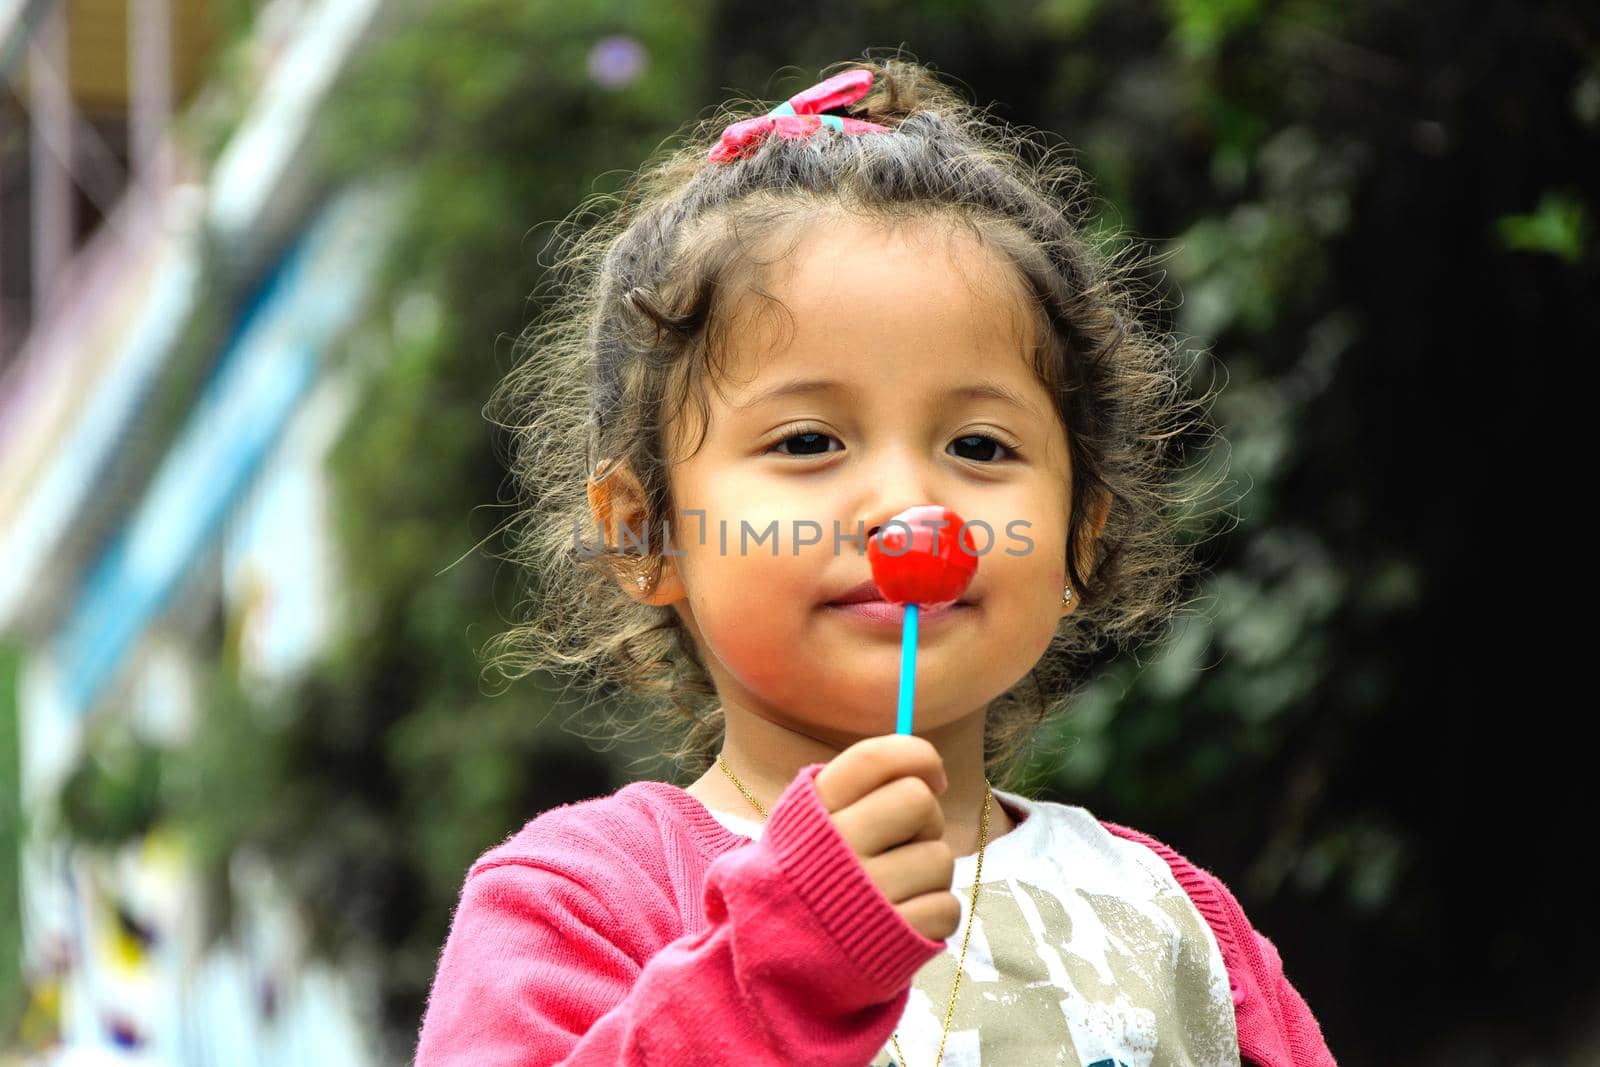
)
(923, 556)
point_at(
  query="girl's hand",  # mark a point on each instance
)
(882, 795)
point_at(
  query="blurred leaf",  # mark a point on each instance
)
(1201, 25)
(1558, 226)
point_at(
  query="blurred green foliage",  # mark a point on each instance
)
(11, 837)
(113, 795)
(1329, 186)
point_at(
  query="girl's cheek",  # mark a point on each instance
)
(755, 656)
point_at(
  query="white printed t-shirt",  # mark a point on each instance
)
(1086, 953)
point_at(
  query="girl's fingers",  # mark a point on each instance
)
(936, 916)
(874, 762)
(913, 870)
(903, 811)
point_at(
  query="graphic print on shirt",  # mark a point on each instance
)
(1079, 979)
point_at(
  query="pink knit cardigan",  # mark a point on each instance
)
(636, 929)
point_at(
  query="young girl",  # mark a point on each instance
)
(793, 329)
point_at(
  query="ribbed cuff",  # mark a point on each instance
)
(829, 877)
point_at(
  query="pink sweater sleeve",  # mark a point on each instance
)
(1307, 1048)
(802, 960)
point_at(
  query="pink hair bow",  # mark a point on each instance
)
(799, 117)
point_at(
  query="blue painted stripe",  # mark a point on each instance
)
(239, 417)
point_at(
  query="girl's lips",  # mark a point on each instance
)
(884, 613)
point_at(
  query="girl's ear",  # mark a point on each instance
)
(1098, 510)
(617, 505)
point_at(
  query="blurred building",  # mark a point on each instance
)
(167, 397)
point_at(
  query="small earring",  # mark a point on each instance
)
(1066, 594)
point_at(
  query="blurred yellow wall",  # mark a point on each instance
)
(97, 48)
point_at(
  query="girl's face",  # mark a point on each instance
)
(900, 377)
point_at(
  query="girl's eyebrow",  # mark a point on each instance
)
(794, 387)
(991, 390)
(983, 390)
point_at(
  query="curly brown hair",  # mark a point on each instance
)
(635, 331)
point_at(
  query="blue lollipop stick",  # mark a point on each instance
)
(908, 670)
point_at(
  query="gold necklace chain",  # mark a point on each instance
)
(972, 909)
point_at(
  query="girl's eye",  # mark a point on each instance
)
(983, 445)
(815, 443)
(807, 443)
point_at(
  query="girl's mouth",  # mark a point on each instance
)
(884, 613)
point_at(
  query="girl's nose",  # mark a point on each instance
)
(894, 486)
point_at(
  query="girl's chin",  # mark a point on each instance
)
(872, 718)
